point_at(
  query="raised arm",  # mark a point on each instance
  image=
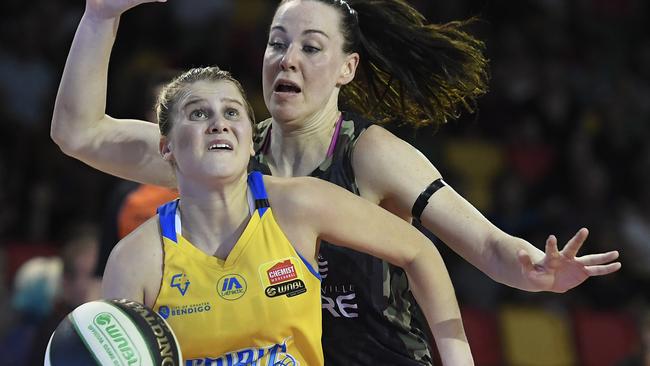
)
(80, 126)
(391, 172)
(333, 214)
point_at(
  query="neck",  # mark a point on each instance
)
(213, 220)
(298, 147)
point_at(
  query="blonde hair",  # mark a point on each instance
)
(170, 93)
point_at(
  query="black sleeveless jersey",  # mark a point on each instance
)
(369, 315)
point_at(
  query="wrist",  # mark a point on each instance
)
(95, 20)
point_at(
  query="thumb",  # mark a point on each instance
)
(526, 262)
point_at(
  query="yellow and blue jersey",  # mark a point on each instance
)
(259, 306)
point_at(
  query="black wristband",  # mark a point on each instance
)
(423, 198)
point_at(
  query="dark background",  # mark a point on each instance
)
(558, 143)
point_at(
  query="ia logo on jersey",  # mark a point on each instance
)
(181, 282)
(231, 287)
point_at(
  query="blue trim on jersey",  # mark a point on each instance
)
(309, 267)
(167, 218)
(167, 211)
(256, 185)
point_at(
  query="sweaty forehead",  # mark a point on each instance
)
(301, 15)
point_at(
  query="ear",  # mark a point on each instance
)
(165, 148)
(348, 69)
(252, 151)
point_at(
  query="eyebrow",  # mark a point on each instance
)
(306, 31)
(192, 101)
(231, 100)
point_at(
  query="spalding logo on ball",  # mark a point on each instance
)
(113, 332)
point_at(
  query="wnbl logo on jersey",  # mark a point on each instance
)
(231, 287)
(282, 277)
(181, 282)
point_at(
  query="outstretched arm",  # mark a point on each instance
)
(393, 173)
(309, 207)
(125, 148)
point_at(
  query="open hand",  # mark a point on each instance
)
(560, 271)
(109, 9)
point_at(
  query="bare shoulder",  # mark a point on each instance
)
(292, 193)
(380, 147)
(134, 268)
(378, 140)
(302, 200)
(389, 170)
(140, 245)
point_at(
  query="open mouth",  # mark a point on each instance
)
(287, 87)
(220, 146)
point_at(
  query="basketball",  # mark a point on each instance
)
(113, 332)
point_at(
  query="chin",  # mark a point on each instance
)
(224, 171)
(282, 113)
(220, 179)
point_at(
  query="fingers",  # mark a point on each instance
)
(573, 246)
(596, 259)
(604, 269)
(551, 247)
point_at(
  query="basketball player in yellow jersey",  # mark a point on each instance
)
(231, 264)
(263, 296)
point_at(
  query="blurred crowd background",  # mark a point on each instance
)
(559, 143)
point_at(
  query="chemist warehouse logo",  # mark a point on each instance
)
(282, 278)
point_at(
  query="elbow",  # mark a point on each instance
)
(71, 140)
(62, 135)
(60, 138)
(66, 142)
